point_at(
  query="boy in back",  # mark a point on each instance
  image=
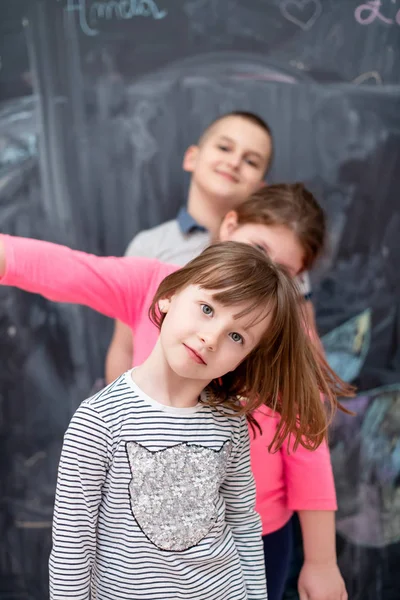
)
(227, 165)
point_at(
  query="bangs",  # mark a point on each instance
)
(251, 288)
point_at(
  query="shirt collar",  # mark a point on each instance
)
(186, 222)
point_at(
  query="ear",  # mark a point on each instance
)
(228, 226)
(164, 304)
(189, 159)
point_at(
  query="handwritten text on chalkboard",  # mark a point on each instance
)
(368, 12)
(91, 12)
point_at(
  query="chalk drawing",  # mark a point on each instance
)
(303, 13)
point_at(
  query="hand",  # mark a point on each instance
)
(321, 581)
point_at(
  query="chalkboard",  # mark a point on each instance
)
(99, 100)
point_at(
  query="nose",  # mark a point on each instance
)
(209, 339)
(234, 160)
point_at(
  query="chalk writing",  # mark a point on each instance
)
(303, 13)
(335, 36)
(142, 140)
(370, 77)
(367, 13)
(91, 12)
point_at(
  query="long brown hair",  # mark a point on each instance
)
(284, 371)
(291, 205)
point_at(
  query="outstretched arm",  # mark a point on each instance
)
(113, 286)
(120, 351)
(2, 258)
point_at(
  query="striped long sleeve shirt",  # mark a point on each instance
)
(155, 503)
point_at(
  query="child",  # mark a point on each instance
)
(286, 222)
(228, 163)
(155, 497)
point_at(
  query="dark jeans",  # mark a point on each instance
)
(278, 551)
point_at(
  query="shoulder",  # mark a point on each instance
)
(159, 230)
(112, 402)
(147, 242)
(168, 243)
(226, 418)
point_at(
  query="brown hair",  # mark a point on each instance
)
(284, 371)
(247, 116)
(291, 205)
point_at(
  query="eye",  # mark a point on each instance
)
(207, 310)
(252, 163)
(223, 148)
(236, 337)
(259, 247)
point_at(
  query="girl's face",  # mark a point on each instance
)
(202, 339)
(278, 241)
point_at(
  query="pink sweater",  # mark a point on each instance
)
(123, 288)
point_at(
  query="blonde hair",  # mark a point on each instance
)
(284, 370)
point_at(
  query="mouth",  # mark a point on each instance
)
(228, 176)
(195, 355)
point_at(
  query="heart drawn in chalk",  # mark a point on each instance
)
(303, 13)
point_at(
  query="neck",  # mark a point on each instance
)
(156, 378)
(205, 210)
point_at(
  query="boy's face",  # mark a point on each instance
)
(231, 160)
(279, 242)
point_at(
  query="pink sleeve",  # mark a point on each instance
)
(309, 479)
(115, 287)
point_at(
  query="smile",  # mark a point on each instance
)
(195, 356)
(228, 176)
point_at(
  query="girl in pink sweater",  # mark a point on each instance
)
(288, 224)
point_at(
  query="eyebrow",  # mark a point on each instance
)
(228, 139)
(247, 330)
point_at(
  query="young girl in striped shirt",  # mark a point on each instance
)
(155, 496)
(286, 222)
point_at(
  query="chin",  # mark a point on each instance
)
(181, 368)
(227, 195)
(187, 370)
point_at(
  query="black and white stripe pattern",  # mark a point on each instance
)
(100, 550)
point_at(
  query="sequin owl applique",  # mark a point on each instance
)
(174, 492)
